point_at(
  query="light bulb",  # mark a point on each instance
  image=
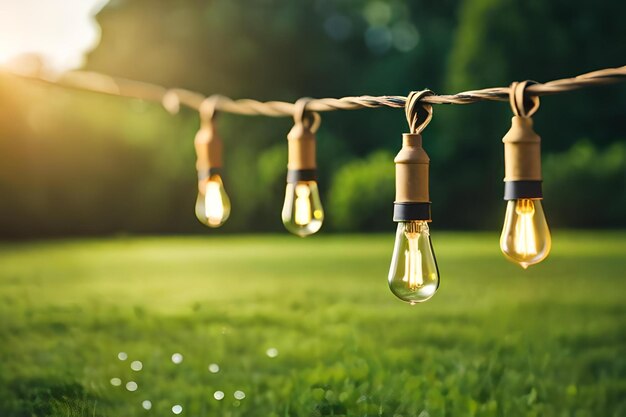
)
(525, 236)
(213, 204)
(302, 212)
(413, 275)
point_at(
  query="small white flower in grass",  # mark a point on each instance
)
(146, 404)
(131, 386)
(177, 409)
(239, 395)
(136, 366)
(218, 395)
(177, 358)
(116, 382)
(272, 352)
(214, 368)
(122, 356)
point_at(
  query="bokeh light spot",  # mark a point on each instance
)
(378, 39)
(377, 13)
(405, 36)
(338, 27)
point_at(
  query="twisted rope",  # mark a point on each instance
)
(173, 98)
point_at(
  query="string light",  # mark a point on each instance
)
(302, 211)
(212, 204)
(525, 235)
(413, 274)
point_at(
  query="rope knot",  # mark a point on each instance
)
(208, 109)
(522, 104)
(310, 120)
(418, 114)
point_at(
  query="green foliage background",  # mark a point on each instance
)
(77, 163)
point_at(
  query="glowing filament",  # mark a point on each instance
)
(213, 203)
(525, 239)
(303, 205)
(413, 263)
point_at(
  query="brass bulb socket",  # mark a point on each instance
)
(209, 149)
(522, 151)
(412, 164)
(301, 145)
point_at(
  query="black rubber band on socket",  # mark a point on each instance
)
(297, 175)
(514, 190)
(207, 173)
(403, 212)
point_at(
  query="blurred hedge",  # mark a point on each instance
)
(586, 186)
(362, 194)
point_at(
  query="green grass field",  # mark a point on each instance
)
(494, 341)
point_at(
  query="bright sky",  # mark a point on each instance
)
(61, 31)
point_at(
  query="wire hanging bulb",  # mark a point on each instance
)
(212, 205)
(525, 237)
(413, 273)
(302, 212)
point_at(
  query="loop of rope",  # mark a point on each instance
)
(208, 109)
(522, 104)
(418, 113)
(171, 102)
(311, 120)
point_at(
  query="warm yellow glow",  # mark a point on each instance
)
(525, 240)
(303, 205)
(213, 204)
(525, 236)
(413, 262)
(413, 273)
(302, 211)
(61, 32)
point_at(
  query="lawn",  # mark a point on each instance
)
(308, 327)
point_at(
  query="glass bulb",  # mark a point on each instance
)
(413, 275)
(213, 205)
(302, 212)
(525, 236)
